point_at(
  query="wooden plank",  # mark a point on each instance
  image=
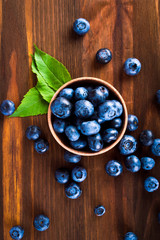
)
(27, 184)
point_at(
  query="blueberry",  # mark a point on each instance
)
(7, 107)
(41, 145)
(130, 236)
(98, 95)
(104, 55)
(84, 109)
(95, 142)
(158, 96)
(33, 132)
(71, 158)
(79, 144)
(146, 137)
(61, 107)
(128, 145)
(151, 184)
(96, 117)
(59, 125)
(110, 109)
(114, 168)
(62, 175)
(116, 123)
(132, 66)
(132, 163)
(79, 174)
(81, 26)
(109, 135)
(72, 133)
(155, 148)
(81, 93)
(41, 223)
(16, 232)
(147, 163)
(99, 210)
(132, 122)
(89, 88)
(73, 191)
(78, 123)
(90, 128)
(67, 93)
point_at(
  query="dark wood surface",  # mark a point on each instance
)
(27, 185)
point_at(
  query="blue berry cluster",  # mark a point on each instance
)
(33, 133)
(87, 118)
(77, 175)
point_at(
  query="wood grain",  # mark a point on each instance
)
(27, 185)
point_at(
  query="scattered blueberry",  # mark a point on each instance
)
(72, 133)
(62, 175)
(41, 223)
(95, 142)
(110, 109)
(16, 232)
(130, 236)
(67, 93)
(79, 144)
(33, 132)
(84, 109)
(116, 123)
(132, 122)
(132, 163)
(147, 163)
(7, 107)
(146, 137)
(79, 174)
(99, 210)
(90, 128)
(104, 55)
(151, 184)
(73, 191)
(128, 145)
(61, 107)
(158, 96)
(98, 95)
(110, 134)
(155, 148)
(81, 26)
(132, 66)
(114, 168)
(71, 158)
(41, 145)
(81, 93)
(59, 125)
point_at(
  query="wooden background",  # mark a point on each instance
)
(27, 186)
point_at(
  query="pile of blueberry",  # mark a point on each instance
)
(33, 133)
(86, 117)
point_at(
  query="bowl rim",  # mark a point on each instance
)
(115, 91)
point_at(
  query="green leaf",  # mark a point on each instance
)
(54, 72)
(31, 105)
(45, 91)
(43, 88)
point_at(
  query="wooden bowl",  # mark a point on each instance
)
(83, 81)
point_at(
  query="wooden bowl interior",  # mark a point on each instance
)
(114, 94)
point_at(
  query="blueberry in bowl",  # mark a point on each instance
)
(87, 116)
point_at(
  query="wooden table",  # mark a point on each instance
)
(27, 185)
